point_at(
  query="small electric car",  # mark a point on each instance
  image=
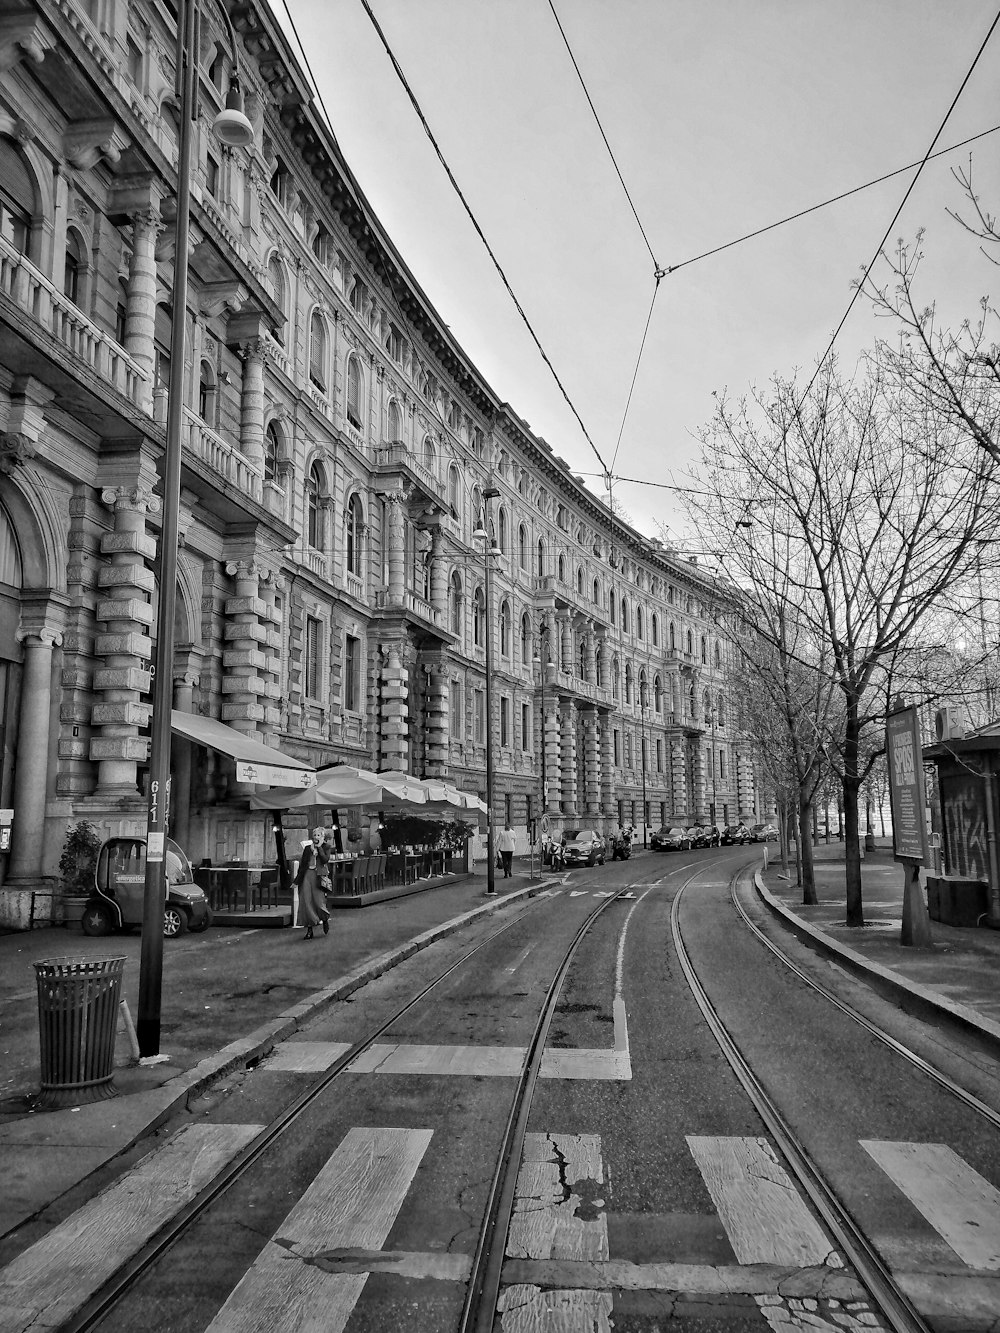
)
(116, 902)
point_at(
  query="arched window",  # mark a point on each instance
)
(454, 490)
(718, 654)
(624, 616)
(638, 622)
(704, 649)
(207, 394)
(628, 682)
(673, 637)
(720, 710)
(394, 425)
(75, 268)
(526, 640)
(657, 694)
(502, 530)
(643, 690)
(11, 568)
(541, 558)
(272, 447)
(706, 704)
(314, 496)
(354, 391)
(478, 517)
(522, 547)
(561, 569)
(429, 459)
(612, 603)
(690, 643)
(456, 603)
(655, 627)
(597, 593)
(479, 619)
(599, 665)
(505, 626)
(615, 678)
(579, 581)
(317, 351)
(277, 275)
(353, 531)
(581, 661)
(17, 197)
(121, 312)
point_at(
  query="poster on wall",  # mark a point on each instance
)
(906, 786)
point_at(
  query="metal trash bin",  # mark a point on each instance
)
(77, 1023)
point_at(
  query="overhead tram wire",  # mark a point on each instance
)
(479, 231)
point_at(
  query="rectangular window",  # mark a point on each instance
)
(617, 748)
(663, 814)
(478, 717)
(394, 343)
(455, 719)
(659, 756)
(628, 749)
(529, 811)
(504, 721)
(526, 727)
(352, 673)
(508, 808)
(211, 176)
(722, 765)
(134, 59)
(313, 657)
(358, 294)
(621, 812)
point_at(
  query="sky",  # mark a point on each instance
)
(724, 116)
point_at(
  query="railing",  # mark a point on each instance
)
(85, 341)
(397, 455)
(355, 586)
(225, 459)
(422, 608)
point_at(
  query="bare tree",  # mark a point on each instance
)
(877, 503)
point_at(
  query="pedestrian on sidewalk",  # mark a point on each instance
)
(312, 900)
(506, 843)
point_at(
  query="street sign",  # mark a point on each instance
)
(545, 823)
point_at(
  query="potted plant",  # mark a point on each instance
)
(76, 868)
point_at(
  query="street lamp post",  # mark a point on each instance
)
(490, 551)
(642, 751)
(711, 719)
(232, 127)
(542, 660)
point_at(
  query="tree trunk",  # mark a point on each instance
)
(807, 871)
(852, 845)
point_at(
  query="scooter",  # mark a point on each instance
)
(621, 846)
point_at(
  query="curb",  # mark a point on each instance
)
(913, 998)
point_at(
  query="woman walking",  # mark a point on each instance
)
(312, 899)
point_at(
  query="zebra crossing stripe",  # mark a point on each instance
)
(962, 1207)
(52, 1279)
(765, 1217)
(352, 1203)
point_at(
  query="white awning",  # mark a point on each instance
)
(255, 761)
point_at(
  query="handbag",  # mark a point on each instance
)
(324, 882)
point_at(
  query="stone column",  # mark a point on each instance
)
(566, 641)
(569, 793)
(436, 740)
(397, 548)
(28, 835)
(746, 795)
(140, 315)
(395, 716)
(271, 669)
(699, 759)
(252, 401)
(439, 577)
(591, 762)
(607, 763)
(180, 784)
(590, 657)
(553, 758)
(126, 645)
(244, 661)
(678, 780)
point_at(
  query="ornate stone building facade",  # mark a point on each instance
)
(336, 445)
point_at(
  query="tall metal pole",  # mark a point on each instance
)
(642, 748)
(714, 792)
(147, 1025)
(489, 493)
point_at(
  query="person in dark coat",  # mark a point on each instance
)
(312, 900)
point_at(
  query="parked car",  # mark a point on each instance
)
(712, 835)
(117, 898)
(670, 840)
(698, 835)
(585, 848)
(763, 833)
(735, 833)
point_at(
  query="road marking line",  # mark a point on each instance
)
(519, 960)
(52, 1279)
(305, 1057)
(962, 1207)
(765, 1217)
(352, 1202)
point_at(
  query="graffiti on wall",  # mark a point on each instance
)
(963, 807)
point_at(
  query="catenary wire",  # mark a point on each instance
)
(607, 145)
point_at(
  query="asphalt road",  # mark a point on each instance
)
(370, 1204)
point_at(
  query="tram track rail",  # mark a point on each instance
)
(967, 1098)
(890, 1299)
